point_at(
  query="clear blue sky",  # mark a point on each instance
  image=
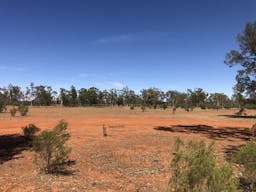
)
(169, 44)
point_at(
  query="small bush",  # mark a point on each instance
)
(247, 159)
(250, 106)
(194, 169)
(2, 107)
(30, 130)
(143, 108)
(50, 146)
(228, 106)
(104, 130)
(241, 111)
(13, 111)
(164, 106)
(186, 109)
(202, 106)
(132, 107)
(23, 109)
(253, 130)
(174, 109)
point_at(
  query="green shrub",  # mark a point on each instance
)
(143, 108)
(2, 107)
(30, 130)
(164, 106)
(247, 159)
(228, 106)
(13, 111)
(132, 107)
(194, 169)
(202, 106)
(23, 109)
(250, 106)
(51, 150)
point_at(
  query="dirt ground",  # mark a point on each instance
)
(134, 157)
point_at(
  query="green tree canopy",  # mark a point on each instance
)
(246, 58)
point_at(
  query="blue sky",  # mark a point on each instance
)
(169, 44)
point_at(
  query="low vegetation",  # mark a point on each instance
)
(194, 168)
(2, 107)
(143, 108)
(132, 107)
(247, 159)
(23, 109)
(30, 130)
(13, 111)
(104, 130)
(52, 152)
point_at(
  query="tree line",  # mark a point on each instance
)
(244, 91)
(42, 95)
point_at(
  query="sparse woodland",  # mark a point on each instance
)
(194, 165)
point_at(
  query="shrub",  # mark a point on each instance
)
(241, 111)
(143, 108)
(194, 169)
(253, 130)
(30, 130)
(104, 130)
(164, 106)
(2, 107)
(23, 109)
(247, 158)
(51, 150)
(202, 106)
(186, 108)
(132, 107)
(250, 106)
(174, 109)
(13, 111)
(228, 106)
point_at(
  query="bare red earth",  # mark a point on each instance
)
(135, 155)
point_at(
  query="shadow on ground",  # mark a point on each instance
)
(220, 133)
(240, 116)
(12, 145)
(209, 131)
(63, 168)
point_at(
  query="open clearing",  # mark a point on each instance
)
(135, 155)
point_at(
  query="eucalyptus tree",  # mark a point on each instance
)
(74, 96)
(65, 97)
(218, 100)
(43, 95)
(92, 94)
(113, 96)
(15, 94)
(3, 99)
(129, 96)
(83, 96)
(245, 57)
(30, 93)
(152, 96)
(196, 97)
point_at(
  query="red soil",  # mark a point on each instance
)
(135, 155)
